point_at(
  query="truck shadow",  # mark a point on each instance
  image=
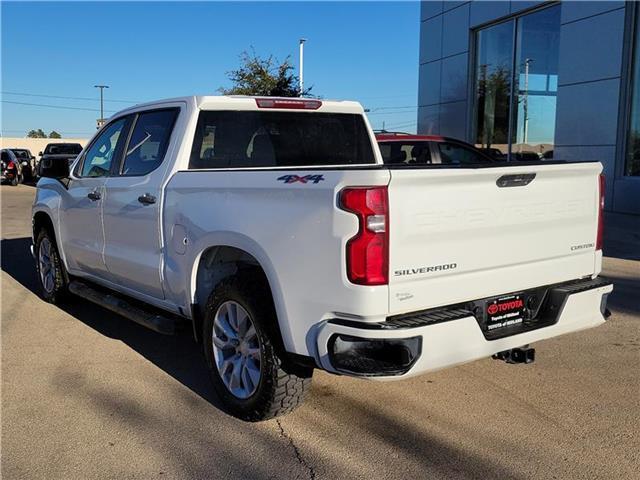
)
(178, 355)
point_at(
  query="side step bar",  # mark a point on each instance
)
(119, 305)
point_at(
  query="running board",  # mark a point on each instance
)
(119, 305)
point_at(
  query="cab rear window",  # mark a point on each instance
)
(245, 139)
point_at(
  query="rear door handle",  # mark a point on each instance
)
(94, 196)
(147, 199)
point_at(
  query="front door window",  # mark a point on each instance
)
(97, 161)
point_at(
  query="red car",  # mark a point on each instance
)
(401, 148)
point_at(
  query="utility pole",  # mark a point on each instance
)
(101, 87)
(302, 40)
(484, 94)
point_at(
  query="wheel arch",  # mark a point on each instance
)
(218, 261)
(42, 219)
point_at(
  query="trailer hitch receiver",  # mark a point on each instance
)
(517, 355)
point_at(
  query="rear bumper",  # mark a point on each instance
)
(449, 337)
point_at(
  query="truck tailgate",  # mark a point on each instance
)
(456, 235)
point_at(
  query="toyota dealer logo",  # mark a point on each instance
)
(505, 306)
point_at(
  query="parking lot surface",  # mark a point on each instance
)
(87, 394)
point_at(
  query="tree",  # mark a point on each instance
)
(36, 134)
(54, 134)
(263, 77)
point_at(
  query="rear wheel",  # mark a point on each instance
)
(51, 272)
(15, 180)
(247, 371)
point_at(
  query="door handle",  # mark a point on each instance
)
(147, 199)
(94, 196)
(517, 180)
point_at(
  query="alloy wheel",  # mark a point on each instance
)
(46, 267)
(236, 349)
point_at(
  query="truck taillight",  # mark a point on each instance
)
(600, 212)
(368, 250)
(11, 165)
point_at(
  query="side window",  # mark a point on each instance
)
(452, 154)
(97, 161)
(420, 154)
(5, 156)
(149, 142)
(410, 153)
(398, 154)
(385, 151)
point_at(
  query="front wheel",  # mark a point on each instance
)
(51, 272)
(247, 371)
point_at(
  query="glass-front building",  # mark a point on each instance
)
(528, 80)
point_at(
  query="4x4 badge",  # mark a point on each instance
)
(297, 178)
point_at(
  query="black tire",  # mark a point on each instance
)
(59, 291)
(281, 387)
(15, 181)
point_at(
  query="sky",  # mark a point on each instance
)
(365, 51)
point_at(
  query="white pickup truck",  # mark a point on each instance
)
(275, 229)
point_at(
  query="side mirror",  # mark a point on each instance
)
(54, 168)
(40, 154)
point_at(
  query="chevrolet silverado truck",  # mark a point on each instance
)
(273, 228)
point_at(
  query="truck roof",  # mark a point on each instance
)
(242, 102)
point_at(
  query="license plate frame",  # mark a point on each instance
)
(505, 311)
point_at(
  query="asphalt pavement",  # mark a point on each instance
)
(87, 394)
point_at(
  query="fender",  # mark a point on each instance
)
(47, 200)
(241, 242)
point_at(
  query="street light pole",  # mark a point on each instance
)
(101, 87)
(525, 133)
(302, 40)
